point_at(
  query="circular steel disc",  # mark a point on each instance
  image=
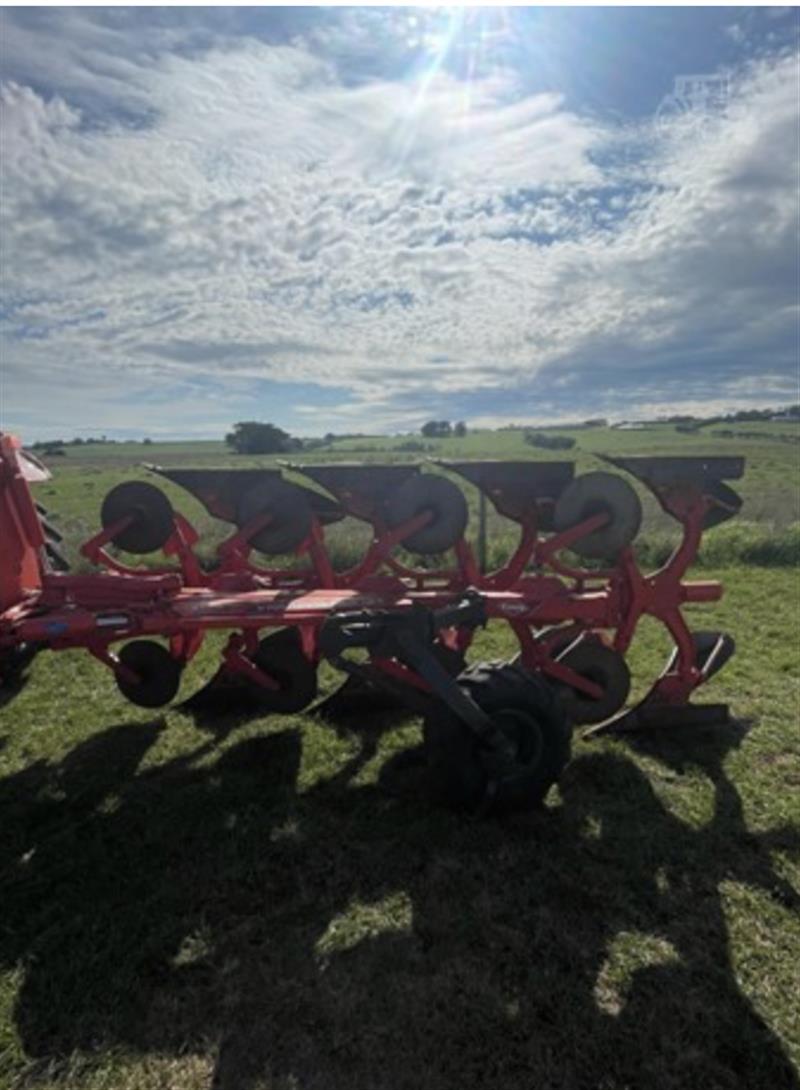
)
(159, 674)
(153, 518)
(290, 515)
(429, 493)
(592, 494)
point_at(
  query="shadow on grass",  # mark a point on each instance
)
(342, 937)
(11, 687)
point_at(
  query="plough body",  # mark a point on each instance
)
(573, 621)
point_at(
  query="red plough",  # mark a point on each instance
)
(495, 733)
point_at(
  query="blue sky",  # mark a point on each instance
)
(357, 219)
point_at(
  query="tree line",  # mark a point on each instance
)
(443, 429)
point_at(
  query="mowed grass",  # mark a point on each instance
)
(272, 903)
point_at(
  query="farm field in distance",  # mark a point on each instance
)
(272, 904)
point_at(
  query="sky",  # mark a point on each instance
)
(358, 219)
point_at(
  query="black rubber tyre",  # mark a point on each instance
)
(524, 706)
(154, 520)
(604, 666)
(290, 511)
(427, 492)
(589, 495)
(159, 674)
(281, 656)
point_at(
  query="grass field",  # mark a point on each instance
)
(273, 905)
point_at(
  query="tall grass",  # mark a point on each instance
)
(734, 543)
(738, 542)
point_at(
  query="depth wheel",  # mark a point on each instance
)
(443, 499)
(524, 707)
(289, 512)
(606, 668)
(593, 494)
(281, 656)
(152, 516)
(158, 674)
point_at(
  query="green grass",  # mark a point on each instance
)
(274, 905)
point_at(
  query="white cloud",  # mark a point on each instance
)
(269, 222)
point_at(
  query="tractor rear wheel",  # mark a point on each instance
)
(593, 494)
(446, 503)
(524, 707)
